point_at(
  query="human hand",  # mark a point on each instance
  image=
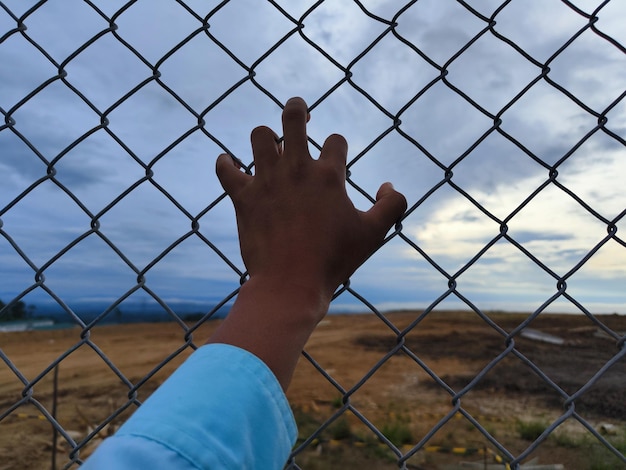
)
(296, 223)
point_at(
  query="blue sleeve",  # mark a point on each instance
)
(221, 409)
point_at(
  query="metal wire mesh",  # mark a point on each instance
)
(21, 23)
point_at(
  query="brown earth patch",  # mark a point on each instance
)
(399, 396)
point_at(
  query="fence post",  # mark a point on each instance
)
(55, 433)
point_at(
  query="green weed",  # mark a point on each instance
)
(531, 430)
(398, 432)
(340, 429)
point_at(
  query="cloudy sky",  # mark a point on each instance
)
(89, 111)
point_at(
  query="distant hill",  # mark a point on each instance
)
(129, 312)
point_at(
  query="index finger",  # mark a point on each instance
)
(295, 117)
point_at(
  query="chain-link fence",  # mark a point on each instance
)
(105, 104)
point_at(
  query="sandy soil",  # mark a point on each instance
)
(400, 397)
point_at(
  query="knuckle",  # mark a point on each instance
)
(331, 174)
(292, 113)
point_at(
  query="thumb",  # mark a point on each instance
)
(231, 178)
(389, 207)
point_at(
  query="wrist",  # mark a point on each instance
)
(301, 300)
(273, 318)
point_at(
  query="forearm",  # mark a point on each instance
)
(273, 319)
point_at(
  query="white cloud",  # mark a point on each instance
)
(549, 225)
(552, 227)
(342, 30)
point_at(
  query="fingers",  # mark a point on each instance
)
(295, 117)
(389, 207)
(335, 151)
(229, 174)
(265, 148)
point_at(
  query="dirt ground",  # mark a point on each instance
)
(409, 394)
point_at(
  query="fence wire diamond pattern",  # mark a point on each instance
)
(124, 31)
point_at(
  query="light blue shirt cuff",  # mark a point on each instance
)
(223, 408)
